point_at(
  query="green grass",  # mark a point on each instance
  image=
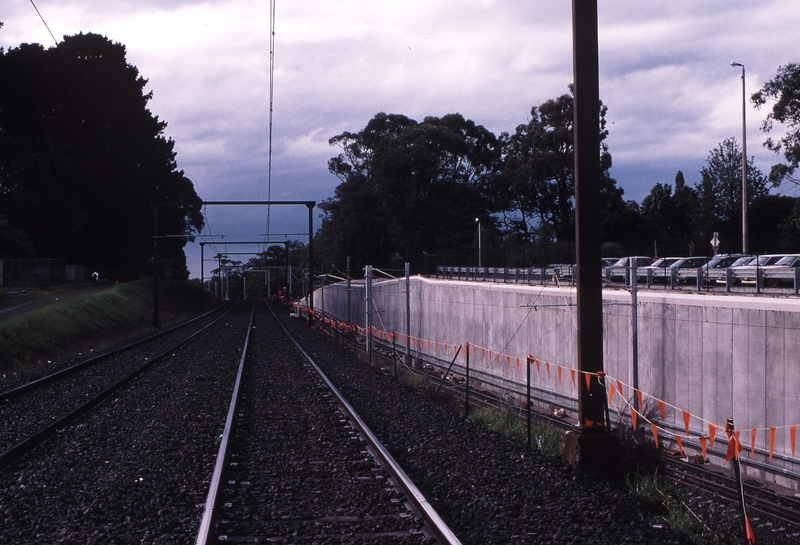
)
(90, 321)
(509, 424)
(415, 381)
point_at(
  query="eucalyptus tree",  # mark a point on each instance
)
(538, 181)
(408, 187)
(783, 91)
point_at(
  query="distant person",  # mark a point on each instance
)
(95, 277)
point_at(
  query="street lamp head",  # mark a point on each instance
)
(737, 64)
(478, 220)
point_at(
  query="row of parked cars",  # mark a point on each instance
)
(772, 270)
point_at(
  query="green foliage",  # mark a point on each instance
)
(89, 321)
(415, 381)
(783, 92)
(509, 423)
(720, 190)
(408, 187)
(82, 158)
(538, 173)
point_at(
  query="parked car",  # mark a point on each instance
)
(716, 266)
(660, 268)
(781, 272)
(747, 273)
(619, 269)
(687, 268)
(641, 261)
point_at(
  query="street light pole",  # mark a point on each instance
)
(744, 163)
(478, 220)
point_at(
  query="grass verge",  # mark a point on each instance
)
(90, 322)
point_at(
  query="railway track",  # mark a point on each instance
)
(35, 410)
(768, 510)
(296, 464)
(137, 467)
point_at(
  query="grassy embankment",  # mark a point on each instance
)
(91, 321)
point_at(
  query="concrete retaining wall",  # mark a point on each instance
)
(714, 356)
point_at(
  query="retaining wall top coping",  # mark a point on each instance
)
(682, 298)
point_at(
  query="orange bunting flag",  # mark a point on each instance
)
(751, 537)
(429, 346)
(572, 375)
(654, 429)
(508, 362)
(771, 442)
(712, 432)
(734, 447)
(639, 397)
(588, 378)
(792, 437)
(436, 347)
(517, 365)
(619, 387)
(483, 353)
(491, 357)
(729, 455)
(538, 368)
(633, 418)
(420, 344)
(474, 350)
(703, 446)
(661, 408)
(547, 366)
(753, 443)
(559, 370)
(686, 417)
(679, 441)
(612, 391)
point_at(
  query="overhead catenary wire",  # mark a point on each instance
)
(44, 22)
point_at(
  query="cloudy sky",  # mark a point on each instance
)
(665, 75)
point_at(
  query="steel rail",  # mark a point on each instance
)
(212, 501)
(761, 500)
(434, 522)
(27, 444)
(8, 394)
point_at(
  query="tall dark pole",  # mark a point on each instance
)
(288, 270)
(311, 258)
(745, 245)
(587, 211)
(155, 266)
(202, 275)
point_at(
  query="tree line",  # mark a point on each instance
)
(426, 191)
(83, 160)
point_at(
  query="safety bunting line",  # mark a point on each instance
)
(612, 385)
